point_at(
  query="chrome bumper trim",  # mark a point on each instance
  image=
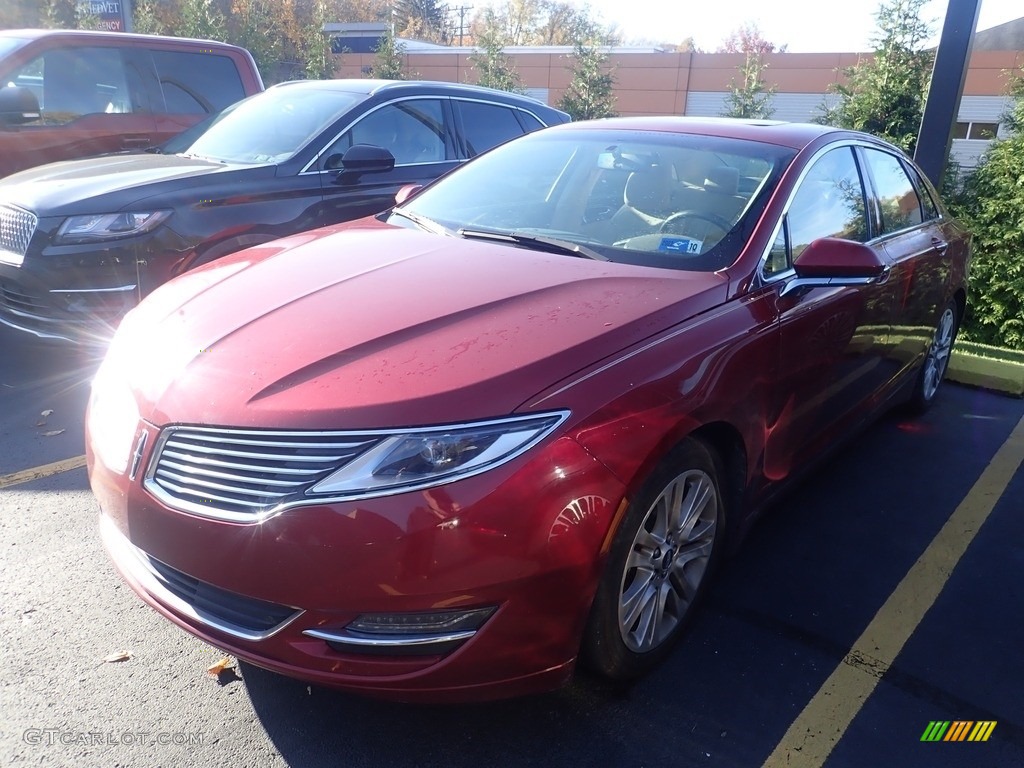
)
(390, 641)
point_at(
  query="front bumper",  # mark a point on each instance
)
(525, 540)
(64, 314)
(80, 293)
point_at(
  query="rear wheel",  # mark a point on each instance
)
(936, 360)
(658, 568)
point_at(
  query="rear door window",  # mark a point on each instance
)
(897, 199)
(487, 125)
(197, 83)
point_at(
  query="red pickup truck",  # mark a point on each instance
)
(69, 94)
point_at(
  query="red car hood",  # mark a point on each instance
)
(375, 327)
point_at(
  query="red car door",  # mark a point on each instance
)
(910, 231)
(833, 341)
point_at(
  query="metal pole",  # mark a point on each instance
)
(948, 76)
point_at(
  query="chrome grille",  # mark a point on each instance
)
(16, 229)
(242, 475)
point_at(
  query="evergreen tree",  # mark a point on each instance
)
(387, 60)
(589, 95)
(494, 70)
(885, 95)
(314, 49)
(749, 98)
(991, 206)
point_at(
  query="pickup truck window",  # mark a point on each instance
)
(197, 83)
(70, 83)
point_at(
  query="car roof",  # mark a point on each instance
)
(794, 135)
(33, 34)
(370, 86)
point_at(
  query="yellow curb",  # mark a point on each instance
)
(27, 475)
(988, 368)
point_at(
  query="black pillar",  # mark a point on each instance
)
(943, 103)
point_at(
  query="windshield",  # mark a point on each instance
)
(661, 199)
(271, 126)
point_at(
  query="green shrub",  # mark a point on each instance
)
(991, 205)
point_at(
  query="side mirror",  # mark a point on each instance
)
(831, 261)
(367, 158)
(407, 191)
(18, 105)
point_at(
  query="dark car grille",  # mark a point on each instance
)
(240, 475)
(16, 229)
(229, 611)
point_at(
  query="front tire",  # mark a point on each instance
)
(936, 361)
(659, 565)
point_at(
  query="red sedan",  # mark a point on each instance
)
(513, 423)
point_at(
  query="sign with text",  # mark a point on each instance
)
(113, 15)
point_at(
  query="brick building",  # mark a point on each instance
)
(649, 81)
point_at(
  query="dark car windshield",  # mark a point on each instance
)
(674, 200)
(271, 126)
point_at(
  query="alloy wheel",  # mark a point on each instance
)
(668, 560)
(936, 362)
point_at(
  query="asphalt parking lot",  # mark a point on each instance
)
(884, 595)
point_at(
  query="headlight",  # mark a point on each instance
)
(113, 416)
(108, 226)
(423, 458)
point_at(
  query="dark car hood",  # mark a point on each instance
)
(73, 186)
(374, 327)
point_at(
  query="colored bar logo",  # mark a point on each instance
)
(958, 730)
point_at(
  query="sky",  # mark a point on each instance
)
(804, 25)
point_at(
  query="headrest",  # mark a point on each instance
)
(650, 189)
(723, 179)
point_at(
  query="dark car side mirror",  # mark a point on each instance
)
(362, 158)
(18, 105)
(831, 261)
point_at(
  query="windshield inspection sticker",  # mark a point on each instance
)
(680, 245)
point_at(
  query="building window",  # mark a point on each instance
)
(976, 131)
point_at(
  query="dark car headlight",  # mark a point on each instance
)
(108, 226)
(431, 456)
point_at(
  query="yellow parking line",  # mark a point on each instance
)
(822, 723)
(45, 470)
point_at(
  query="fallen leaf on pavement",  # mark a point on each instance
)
(44, 414)
(119, 656)
(221, 666)
(53, 432)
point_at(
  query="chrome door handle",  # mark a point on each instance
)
(940, 245)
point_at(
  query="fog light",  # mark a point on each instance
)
(420, 623)
(405, 634)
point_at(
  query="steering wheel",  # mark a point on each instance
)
(670, 224)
